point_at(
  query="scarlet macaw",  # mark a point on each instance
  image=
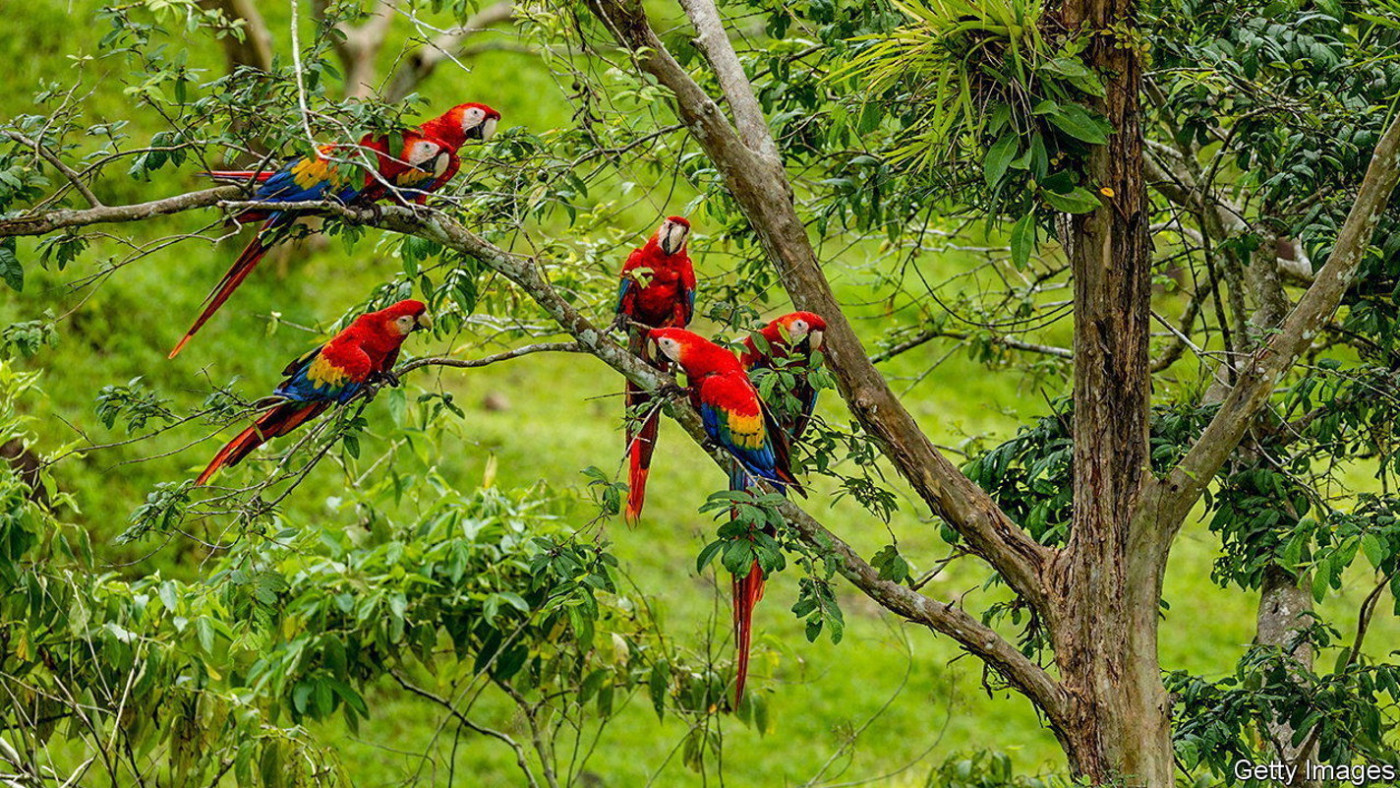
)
(328, 375)
(736, 418)
(793, 336)
(657, 290)
(427, 160)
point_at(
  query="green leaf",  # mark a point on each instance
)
(707, 555)
(10, 268)
(1023, 240)
(1374, 550)
(999, 158)
(1076, 121)
(1078, 200)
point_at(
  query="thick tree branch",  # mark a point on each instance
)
(46, 222)
(1166, 502)
(762, 189)
(713, 40)
(942, 617)
(360, 46)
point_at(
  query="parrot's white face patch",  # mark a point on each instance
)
(669, 347)
(422, 152)
(404, 324)
(672, 235)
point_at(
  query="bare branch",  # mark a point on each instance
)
(466, 722)
(68, 172)
(360, 45)
(764, 194)
(925, 337)
(524, 271)
(940, 616)
(1166, 502)
(420, 64)
(46, 222)
(474, 363)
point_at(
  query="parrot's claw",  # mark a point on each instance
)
(388, 378)
(672, 390)
(619, 323)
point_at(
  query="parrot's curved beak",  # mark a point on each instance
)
(650, 350)
(673, 239)
(814, 339)
(425, 320)
(484, 130)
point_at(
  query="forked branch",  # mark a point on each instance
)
(1166, 502)
(764, 193)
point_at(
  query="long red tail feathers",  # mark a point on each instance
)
(747, 593)
(641, 444)
(239, 271)
(257, 176)
(273, 424)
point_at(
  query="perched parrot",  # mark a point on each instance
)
(657, 290)
(427, 160)
(735, 418)
(793, 336)
(328, 375)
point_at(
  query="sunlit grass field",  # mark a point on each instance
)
(884, 704)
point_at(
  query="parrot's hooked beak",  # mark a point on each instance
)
(673, 238)
(424, 321)
(814, 339)
(650, 350)
(484, 130)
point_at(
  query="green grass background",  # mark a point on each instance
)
(889, 696)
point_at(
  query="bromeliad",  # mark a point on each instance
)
(657, 290)
(329, 375)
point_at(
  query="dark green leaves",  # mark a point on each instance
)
(1023, 240)
(1078, 123)
(999, 158)
(10, 268)
(1076, 200)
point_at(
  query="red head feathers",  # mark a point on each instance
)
(384, 331)
(801, 330)
(696, 355)
(476, 122)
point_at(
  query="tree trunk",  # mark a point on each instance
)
(1285, 608)
(1105, 627)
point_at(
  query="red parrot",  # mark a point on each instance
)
(426, 161)
(657, 290)
(794, 335)
(328, 375)
(736, 418)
